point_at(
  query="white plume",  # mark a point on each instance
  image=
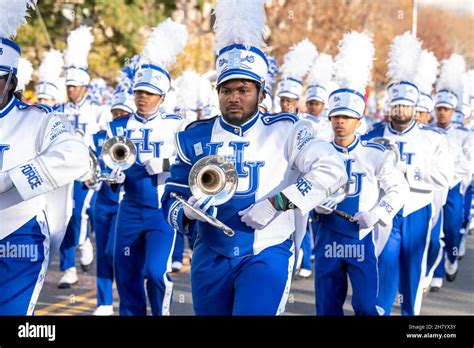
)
(79, 43)
(403, 57)
(299, 59)
(322, 70)
(353, 64)
(51, 66)
(452, 70)
(470, 81)
(25, 71)
(427, 69)
(14, 13)
(205, 91)
(239, 22)
(164, 44)
(188, 87)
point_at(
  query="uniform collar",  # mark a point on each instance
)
(349, 148)
(146, 120)
(239, 130)
(8, 106)
(393, 131)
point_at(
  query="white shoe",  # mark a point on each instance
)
(69, 277)
(451, 270)
(305, 273)
(176, 266)
(426, 283)
(436, 284)
(104, 310)
(86, 256)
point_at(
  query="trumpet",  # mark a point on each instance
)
(212, 177)
(94, 175)
(118, 151)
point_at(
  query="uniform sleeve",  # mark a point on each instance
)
(394, 186)
(435, 174)
(61, 159)
(322, 168)
(178, 183)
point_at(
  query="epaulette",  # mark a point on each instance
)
(172, 117)
(45, 108)
(373, 145)
(433, 129)
(270, 119)
(196, 123)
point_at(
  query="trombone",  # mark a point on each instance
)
(118, 151)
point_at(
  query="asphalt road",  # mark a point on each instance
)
(455, 298)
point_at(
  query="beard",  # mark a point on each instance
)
(237, 120)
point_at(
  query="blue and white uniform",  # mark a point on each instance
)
(321, 124)
(250, 273)
(427, 164)
(375, 186)
(461, 148)
(86, 118)
(104, 216)
(144, 240)
(34, 150)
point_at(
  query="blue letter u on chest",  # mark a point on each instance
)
(355, 180)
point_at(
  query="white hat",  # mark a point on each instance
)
(13, 15)
(163, 45)
(319, 78)
(425, 103)
(403, 93)
(352, 68)
(403, 60)
(49, 74)
(450, 82)
(296, 65)
(123, 101)
(239, 28)
(290, 88)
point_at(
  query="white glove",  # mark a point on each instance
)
(326, 206)
(202, 204)
(366, 219)
(5, 182)
(95, 187)
(154, 166)
(258, 215)
(116, 176)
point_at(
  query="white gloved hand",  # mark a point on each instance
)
(258, 215)
(326, 206)
(366, 219)
(96, 187)
(5, 182)
(202, 204)
(117, 176)
(154, 166)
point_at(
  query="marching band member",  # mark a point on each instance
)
(28, 172)
(284, 172)
(84, 117)
(375, 193)
(144, 240)
(297, 63)
(426, 165)
(460, 147)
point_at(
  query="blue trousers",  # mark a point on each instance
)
(467, 206)
(105, 215)
(23, 266)
(403, 260)
(143, 248)
(79, 227)
(336, 257)
(251, 285)
(434, 249)
(453, 218)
